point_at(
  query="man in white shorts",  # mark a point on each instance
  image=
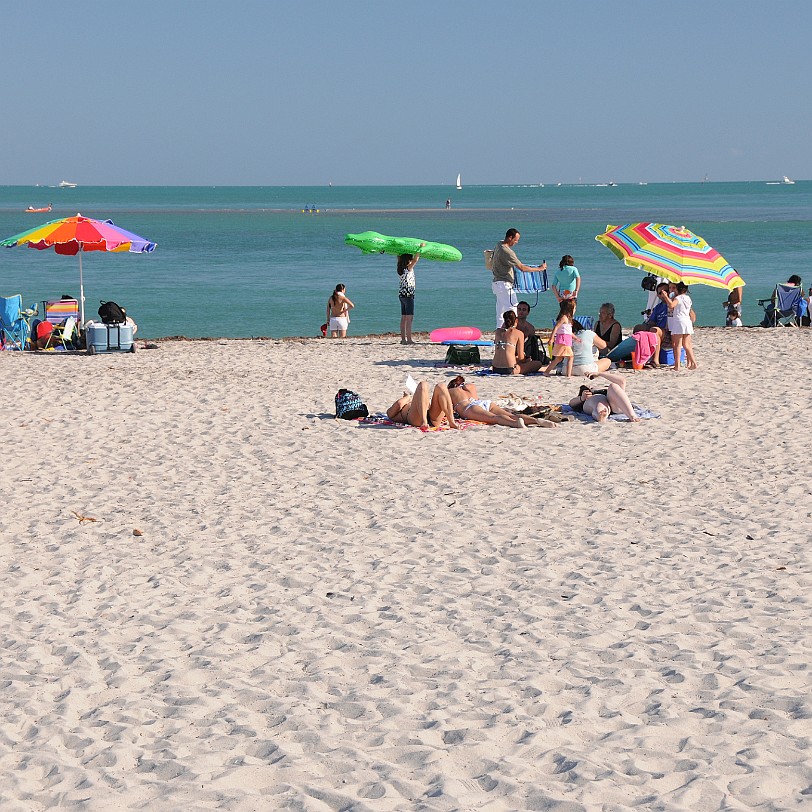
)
(504, 261)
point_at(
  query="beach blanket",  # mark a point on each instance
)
(642, 413)
(381, 421)
(472, 368)
(489, 371)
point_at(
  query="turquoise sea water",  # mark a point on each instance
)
(245, 261)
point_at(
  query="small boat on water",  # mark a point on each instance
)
(65, 184)
(785, 181)
(39, 208)
(459, 181)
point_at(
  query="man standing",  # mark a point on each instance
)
(504, 261)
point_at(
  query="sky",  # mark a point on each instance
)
(268, 93)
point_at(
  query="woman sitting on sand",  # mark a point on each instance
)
(608, 328)
(422, 409)
(583, 356)
(508, 349)
(468, 406)
(600, 403)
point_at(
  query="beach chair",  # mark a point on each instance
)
(65, 334)
(527, 282)
(58, 311)
(14, 327)
(785, 307)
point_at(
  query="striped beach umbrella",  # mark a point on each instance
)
(75, 235)
(672, 252)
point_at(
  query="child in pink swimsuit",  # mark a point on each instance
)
(562, 338)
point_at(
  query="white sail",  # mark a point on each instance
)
(459, 181)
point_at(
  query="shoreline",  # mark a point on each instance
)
(422, 335)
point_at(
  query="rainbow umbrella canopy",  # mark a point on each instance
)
(672, 252)
(75, 235)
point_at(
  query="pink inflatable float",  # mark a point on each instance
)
(455, 334)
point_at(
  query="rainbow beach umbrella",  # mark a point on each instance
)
(75, 235)
(672, 252)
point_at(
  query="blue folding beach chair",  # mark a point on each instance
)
(14, 327)
(527, 282)
(785, 308)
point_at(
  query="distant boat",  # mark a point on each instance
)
(459, 181)
(787, 180)
(784, 181)
(64, 184)
(40, 208)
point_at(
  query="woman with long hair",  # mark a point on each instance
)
(508, 349)
(680, 324)
(338, 312)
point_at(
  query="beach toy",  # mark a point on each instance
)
(442, 334)
(371, 242)
(482, 342)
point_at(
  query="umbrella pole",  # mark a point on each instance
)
(81, 295)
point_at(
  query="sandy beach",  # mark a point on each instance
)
(216, 596)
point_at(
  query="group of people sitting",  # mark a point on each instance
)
(459, 400)
(518, 349)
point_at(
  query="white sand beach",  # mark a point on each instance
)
(216, 596)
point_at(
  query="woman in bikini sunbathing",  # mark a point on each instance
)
(469, 406)
(600, 403)
(424, 409)
(508, 349)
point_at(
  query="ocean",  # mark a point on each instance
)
(246, 261)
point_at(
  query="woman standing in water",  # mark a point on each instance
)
(338, 312)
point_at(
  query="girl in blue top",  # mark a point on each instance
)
(566, 280)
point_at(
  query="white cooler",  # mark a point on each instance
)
(109, 338)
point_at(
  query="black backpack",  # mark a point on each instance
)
(349, 405)
(111, 313)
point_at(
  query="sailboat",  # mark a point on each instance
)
(459, 181)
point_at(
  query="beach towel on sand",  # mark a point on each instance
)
(643, 414)
(382, 421)
(489, 371)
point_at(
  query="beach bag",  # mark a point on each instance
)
(488, 258)
(534, 350)
(111, 313)
(462, 355)
(349, 405)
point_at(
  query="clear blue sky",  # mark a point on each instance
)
(261, 92)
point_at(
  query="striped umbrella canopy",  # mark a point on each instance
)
(75, 235)
(672, 252)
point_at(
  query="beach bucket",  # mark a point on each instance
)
(635, 365)
(323, 330)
